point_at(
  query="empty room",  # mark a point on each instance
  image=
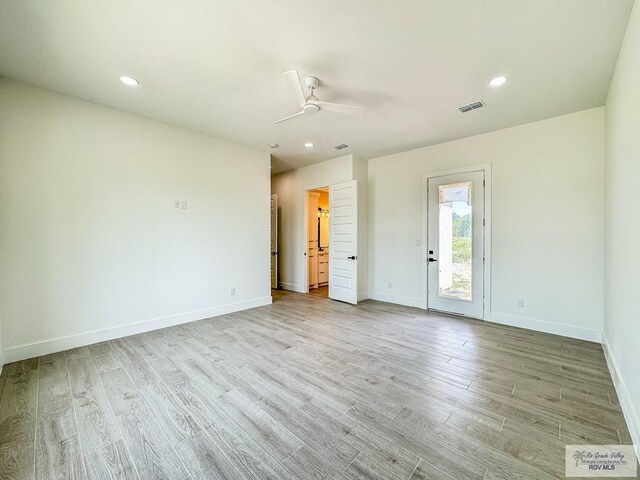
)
(325, 240)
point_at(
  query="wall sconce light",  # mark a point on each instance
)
(323, 213)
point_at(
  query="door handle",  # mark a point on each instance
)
(353, 257)
(432, 259)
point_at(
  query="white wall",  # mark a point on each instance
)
(622, 226)
(91, 246)
(547, 221)
(291, 189)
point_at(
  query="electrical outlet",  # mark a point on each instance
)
(390, 284)
(176, 204)
(232, 291)
(183, 204)
(520, 302)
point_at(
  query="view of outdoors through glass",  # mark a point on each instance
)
(455, 246)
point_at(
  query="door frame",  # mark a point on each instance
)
(277, 255)
(486, 168)
(305, 225)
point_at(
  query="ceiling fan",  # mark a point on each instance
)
(310, 103)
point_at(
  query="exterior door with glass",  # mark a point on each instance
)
(455, 244)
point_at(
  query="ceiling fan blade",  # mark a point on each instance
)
(339, 108)
(290, 116)
(294, 80)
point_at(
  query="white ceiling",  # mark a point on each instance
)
(214, 65)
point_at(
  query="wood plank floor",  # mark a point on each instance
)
(309, 388)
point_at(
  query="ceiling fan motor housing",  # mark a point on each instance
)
(310, 108)
(311, 82)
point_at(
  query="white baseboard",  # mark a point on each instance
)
(397, 299)
(565, 330)
(46, 347)
(363, 296)
(631, 415)
(562, 329)
(1, 362)
(293, 287)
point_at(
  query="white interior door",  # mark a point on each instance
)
(274, 241)
(455, 243)
(343, 242)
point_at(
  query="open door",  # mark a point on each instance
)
(274, 241)
(343, 242)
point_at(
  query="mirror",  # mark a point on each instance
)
(323, 229)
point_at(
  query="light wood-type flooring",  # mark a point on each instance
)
(310, 388)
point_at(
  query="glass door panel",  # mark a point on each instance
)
(455, 272)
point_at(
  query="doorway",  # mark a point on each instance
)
(340, 258)
(318, 241)
(456, 241)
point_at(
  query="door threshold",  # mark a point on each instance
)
(454, 314)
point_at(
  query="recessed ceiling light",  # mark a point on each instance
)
(308, 145)
(497, 81)
(130, 81)
(273, 145)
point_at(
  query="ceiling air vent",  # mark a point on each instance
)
(341, 146)
(471, 106)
